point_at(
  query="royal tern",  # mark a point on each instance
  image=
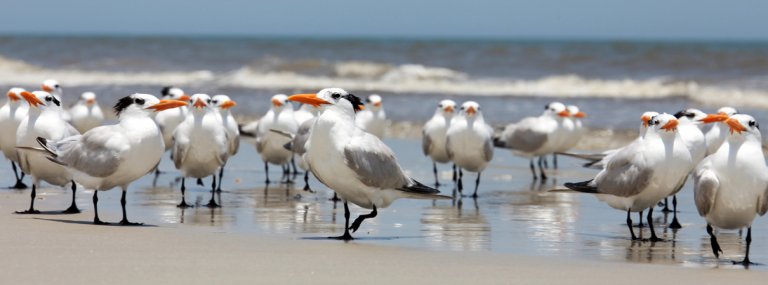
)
(719, 132)
(114, 155)
(200, 144)
(574, 130)
(54, 88)
(373, 119)
(86, 113)
(270, 144)
(535, 136)
(433, 135)
(44, 120)
(223, 103)
(354, 163)
(731, 185)
(640, 175)
(168, 120)
(469, 142)
(11, 115)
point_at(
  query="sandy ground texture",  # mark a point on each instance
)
(63, 249)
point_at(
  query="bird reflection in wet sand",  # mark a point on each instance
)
(285, 209)
(460, 227)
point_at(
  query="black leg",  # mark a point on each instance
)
(533, 170)
(675, 223)
(361, 218)
(19, 184)
(346, 235)
(73, 207)
(200, 182)
(543, 176)
(544, 161)
(746, 261)
(629, 224)
(96, 209)
(713, 242)
(125, 221)
(666, 206)
(31, 202)
(461, 177)
(306, 182)
(434, 169)
(554, 160)
(335, 199)
(477, 183)
(183, 203)
(221, 177)
(212, 203)
(293, 165)
(653, 238)
(266, 172)
(640, 217)
(454, 174)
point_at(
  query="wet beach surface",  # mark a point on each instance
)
(511, 215)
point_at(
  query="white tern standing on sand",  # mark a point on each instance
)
(11, 115)
(433, 136)
(270, 145)
(223, 104)
(469, 142)
(86, 113)
(373, 119)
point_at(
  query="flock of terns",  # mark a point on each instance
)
(335, 135)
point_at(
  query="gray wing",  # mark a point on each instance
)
(97, 153)
(624, 175)
(488, 150)
(763, 203)
(302, 135)
(426, 142)
(448, 149)
(523, 136)
(704, 189)
(179, 153)
(374, 163)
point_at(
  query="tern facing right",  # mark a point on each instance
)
(223, 103)
(270, 144)
(641, 174)
(731, 185)
(354, 163)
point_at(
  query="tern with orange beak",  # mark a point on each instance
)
(535, 136)
(53, 87)
(86, 113)
(11, 114)
(112, 156)
(731, 185)
(719, 132)
(640, 175)
(574, 130)
(433, 136)
(168, 120)
(270, 144)
(44, 120)
(223, 104)
(355, 164)
(201, 145)
(469, 142)
(373, 119)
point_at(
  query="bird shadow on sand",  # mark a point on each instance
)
(47, 213)
(364, 238)
(117, 224)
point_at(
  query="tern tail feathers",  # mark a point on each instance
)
(417, 190)
(283, 133)
(497, 142)
(592, 158)
(244, 132)
(583, 187)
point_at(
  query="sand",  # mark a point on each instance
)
(66, 249)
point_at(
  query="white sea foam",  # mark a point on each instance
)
(406, 78)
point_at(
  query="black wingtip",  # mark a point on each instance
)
(244, 132)
(497, 142)
(583, 187)
(418, 187)
(43, 142)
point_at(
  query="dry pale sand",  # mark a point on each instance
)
(66, 249)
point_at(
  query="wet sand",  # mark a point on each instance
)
(515, 231)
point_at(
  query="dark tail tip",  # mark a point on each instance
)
(497, 142)
(583, 187)
(43, 142)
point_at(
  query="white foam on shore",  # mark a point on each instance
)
(405, 78)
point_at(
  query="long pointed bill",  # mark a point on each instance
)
(46, 88)
(671, 126)
(184, 97)
(564, 113)
(448, 109)
(645, 120)
(713, 118)
(90, 101)
(13, 96)
(471, 111)
(31, 98)
(580, 115)
(199, 104)
(735, 126)
(228, 104)
(167, 104)
(377, 104)
(276, 102)
(310, 99)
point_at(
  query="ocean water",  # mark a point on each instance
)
(613, 81)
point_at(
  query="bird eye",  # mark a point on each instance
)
(335, 95)
(215, 101)
(209, 101)
(57, 86)
(139, 101)
(48, 98)
(754, 124)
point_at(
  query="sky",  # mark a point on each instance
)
(502, 19)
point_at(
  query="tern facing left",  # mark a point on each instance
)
(354, 163)
(731, 185)
(11, 115)
(86, 113)
(223, 103)
(469, 142)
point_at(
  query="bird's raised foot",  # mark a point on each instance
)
(71, 210)
(125, 222)
(96, 221)
(212, 204)
(306, 188)
(19, 185)
(675, 224)
(28, 212)
(716, 248)
(345, 237)
(184, 205)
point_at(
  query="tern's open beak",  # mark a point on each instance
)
(645, 120)
(564, 113)
(31, 98)
(184, 97)
(671, 126)
(167, 104)
(580, 115)
(46, 88)
(90, 101)
(734, 125)
(471, 111)
(448, 109)
(13, 96)
(228, 104)
(199, 103)
(712, 118)
(310, 99)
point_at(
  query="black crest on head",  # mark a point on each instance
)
(356, 102)
(55, 101)
(122, 104)
(166, 90)
(684, 113)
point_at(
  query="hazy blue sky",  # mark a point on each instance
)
(612, 19)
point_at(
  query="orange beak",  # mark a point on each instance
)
(90, 101)
(46, 88)
(276, 103)
(184, 97)
(228, 104)
(13, 96)
(167, 104)
(580, 115)
(734, 125)
(310, 99)
(377, 104)
(564, 113)
(448, 109)
(33, 101)
(671, 126)
(199, 103)
(712, 118)
(645, 120)
(471, 111)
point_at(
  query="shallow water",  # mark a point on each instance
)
(512, 214)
